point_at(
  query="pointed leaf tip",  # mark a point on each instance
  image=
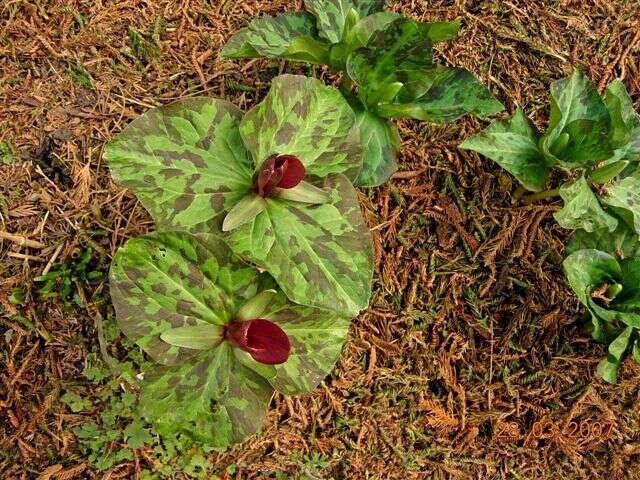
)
(265, 341)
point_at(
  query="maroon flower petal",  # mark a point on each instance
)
(292, 171)
(266, 180)
(265, 341)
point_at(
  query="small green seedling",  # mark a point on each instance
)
(597, 138)
(225, 335)
(275, 181)
(388, 58)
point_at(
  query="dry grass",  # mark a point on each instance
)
(469, 362)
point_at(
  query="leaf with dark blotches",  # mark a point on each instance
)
(625, 122)
(572, 98)
(320, 255)
(448, 94)
(333, 15)
(290, 36)
(180, 298)
(623, 196)
(381, 142)
(301, 116)
(582, 209)
(513, 144)
(621, 243)
(185, 162)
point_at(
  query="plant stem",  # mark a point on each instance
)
(520, 191)
(529, 199)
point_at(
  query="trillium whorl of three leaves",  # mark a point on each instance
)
(196, 161)
(173, 287)
(610, 289)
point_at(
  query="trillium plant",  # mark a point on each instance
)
(224, 335)
(387, 66)
(603, 268)
(276, 182)
(596, 139)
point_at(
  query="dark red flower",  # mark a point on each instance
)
(282, 171)
(265, 341)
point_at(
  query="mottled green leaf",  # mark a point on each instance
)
(622, 243)
(164, 281)
(624, 197)
(587, 143)
(582, 210)
(587, 270)
(381, 142)
(625, 122)
(449, 93)
(573, 98)
(289, 36)
(362, 32)
(608, 367)
(185, 162)
(320, 255)
(302, 117)
(332, 15)
(513, 144)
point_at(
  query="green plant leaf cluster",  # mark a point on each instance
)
(597, 138)
(603, 270)
(195, 165)
(386, 57)
(173, 294)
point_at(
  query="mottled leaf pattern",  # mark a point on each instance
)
(168, 280)
(625, 122)
(173, 289)
(582, 209)
(381, 142)
(302, 117)
(452, 93)
(572, 98)
(184, 161)
(290, 35)
(320, 255)
(624, 197)
(513, 144)
(331, 15)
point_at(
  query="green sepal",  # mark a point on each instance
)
(256, 306)
(196, 337)
(244, 211)
(304, 192)
(381, 141)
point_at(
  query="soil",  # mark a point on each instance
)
(472, 360)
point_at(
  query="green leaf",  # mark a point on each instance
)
(587, 270)
(636, 350)
(256, 306)
(587, 143)
(449, 93)
(290, 36)
(332, 15)
(573, 98)
(625, 122)
(164, 281)
(608, 172)
(320, 255)
(196, 337)
(513, 144)
(381, 142)
(623, 241)
(582, 209)
(304, 192)
(302, 117)
(244, 211)
(136, 435)
(185, 162)
(362, 32)
(608, 367)
(624, 197)
(316, 339)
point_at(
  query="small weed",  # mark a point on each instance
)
(7, 157)
(80, 76)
